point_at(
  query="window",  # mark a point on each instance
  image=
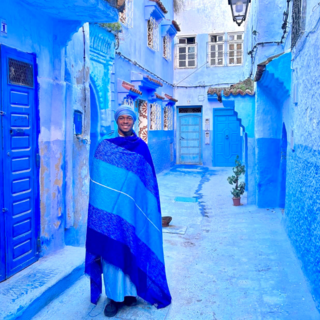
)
(167, 47)
(153, 34)
(168, 118)
(141, 126)
(187, 53)
(299, 9)
(126, 17)
(155, 116)
(216, 50)
(235, 49)
(128, 101)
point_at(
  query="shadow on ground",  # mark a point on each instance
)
(231, 263)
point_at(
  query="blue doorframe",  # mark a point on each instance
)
(227, 139)
(189, 142)
(20, 161)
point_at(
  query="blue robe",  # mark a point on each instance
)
(124, 220)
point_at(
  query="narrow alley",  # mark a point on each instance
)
(222, 262)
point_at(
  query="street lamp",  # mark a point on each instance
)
(239, 9)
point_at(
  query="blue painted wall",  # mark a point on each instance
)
(192, 84)
(286, 97)
(133, 45)
(302, 204)
(54, 33)
(244, 107)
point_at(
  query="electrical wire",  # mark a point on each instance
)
(143, 68)
(170, 84)
(284, 27)
(191, 73)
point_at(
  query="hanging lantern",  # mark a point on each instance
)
(239, 9)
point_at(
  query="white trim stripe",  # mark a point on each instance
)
(128, 197)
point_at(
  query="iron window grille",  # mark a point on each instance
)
(216, 51)
(298, 20)
(20, 73)
(155, 116)
(128, 101)
(153, 34)
(235, 49)
(186, 53)
(190, 110)
(167, 43)
(168, 118)
(126, 16)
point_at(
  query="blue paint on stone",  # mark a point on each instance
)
(268, 163)
(185, 199)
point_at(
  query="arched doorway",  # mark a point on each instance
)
(283, 168)
(95, 123)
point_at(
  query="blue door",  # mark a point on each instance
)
(190, 138)
(227, 139)
(19, 179)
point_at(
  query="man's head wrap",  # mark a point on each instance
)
(125, 110)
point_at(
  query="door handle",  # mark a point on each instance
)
(227, 137)
(181, 138)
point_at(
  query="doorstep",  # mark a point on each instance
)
(26, 293)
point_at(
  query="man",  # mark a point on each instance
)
(124, 236)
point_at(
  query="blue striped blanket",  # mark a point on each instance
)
(124, 220)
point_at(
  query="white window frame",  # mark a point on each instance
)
(155, 117)
(235, 52)
(153, 34)
(167, 45)
(218, 53)
(126, 17)
(190, 49)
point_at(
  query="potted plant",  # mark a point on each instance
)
(239, 187)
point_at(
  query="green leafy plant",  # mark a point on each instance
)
(115, 27)
(239, 187)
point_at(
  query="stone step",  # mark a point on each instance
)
(26, 293)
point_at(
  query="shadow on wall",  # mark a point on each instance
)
(283, 168)
(95, 123)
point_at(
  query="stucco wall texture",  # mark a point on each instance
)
(62, 56)
(133, 44)
(302, 198)
(286, 115)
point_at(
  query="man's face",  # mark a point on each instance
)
(125, 123)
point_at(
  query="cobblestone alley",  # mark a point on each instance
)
(223, 262)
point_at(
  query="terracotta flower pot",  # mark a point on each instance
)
(236, 202)
(166, 221)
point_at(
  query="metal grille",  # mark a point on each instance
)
(168, 118)
(167, 47)
(128, 101)
(126, 17)
(189, 110)
(20, 73)
(153, 34)
(155, 116)
(296, 22)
